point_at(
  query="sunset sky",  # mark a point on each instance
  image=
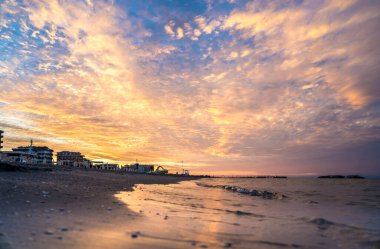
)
(229, 87)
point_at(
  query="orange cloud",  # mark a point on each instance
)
(273, 79)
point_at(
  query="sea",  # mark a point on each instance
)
(222, 213)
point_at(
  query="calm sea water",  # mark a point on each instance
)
(317, 213)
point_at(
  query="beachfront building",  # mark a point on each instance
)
(139, 168)
(104, 166)
(72, 159)
(27, 154)
(35, 154)
(17, 157)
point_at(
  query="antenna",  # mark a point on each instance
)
(31, 142)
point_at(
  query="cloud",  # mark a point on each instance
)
(306, 34)
(211, 26)
(98, 66)
(235, 89)
(201, 21)
(169, 30)
(92, 92)
(179, 33)
(205, 26)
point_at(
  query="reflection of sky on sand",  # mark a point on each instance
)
(180, 219)
(188, 215)
(195, 216)
(317, 214)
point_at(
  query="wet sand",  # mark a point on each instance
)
(89, 209)
(68, 209)
(316, 213)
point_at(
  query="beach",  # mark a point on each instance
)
(90, 209)
(189, 124)
(61, 209)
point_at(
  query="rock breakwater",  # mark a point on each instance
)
(252, 192)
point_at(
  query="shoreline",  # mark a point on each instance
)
(59, 208)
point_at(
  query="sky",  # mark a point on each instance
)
(229, 87)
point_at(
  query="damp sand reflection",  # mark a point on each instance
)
(193, 215)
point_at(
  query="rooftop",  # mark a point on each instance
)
(35, 148)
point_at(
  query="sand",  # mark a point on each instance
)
(67, 209)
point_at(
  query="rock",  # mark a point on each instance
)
(49, 232)
(242, 190)
(64, 229)
(227, 245)
(355, 177)
(254, 192)
(238, 212)
(134, 235)
(267, 195)
(331, 176)
(322, 223)
(280, 196)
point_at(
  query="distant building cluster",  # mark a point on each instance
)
(144, 168)
(138, 168)
(28, 155)
(43, 155)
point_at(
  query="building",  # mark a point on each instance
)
(1, 139)
(72, 159)
(104, 166)
(161, 170)
(17, 157)
(139, 168)
(38, 154)
(26, 154)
